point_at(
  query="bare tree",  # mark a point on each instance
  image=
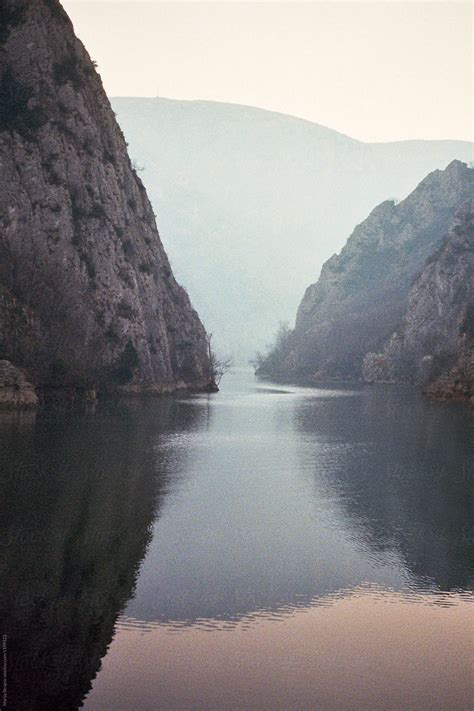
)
(219, 365)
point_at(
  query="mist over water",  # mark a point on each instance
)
(245, 548)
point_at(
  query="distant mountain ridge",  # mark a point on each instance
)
(251, 202)
(396, 303)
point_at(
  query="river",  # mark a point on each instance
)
(264, 547)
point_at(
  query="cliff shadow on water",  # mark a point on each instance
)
(80, 493)
(404, 478)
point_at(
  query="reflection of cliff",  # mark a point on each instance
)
(78, 499)
(405, 479)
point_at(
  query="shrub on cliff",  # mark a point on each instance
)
(16, 112)
(10, 17)
(123, 372)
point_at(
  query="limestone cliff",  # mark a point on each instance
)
(363, 293)
(87, 296)
(434, 343)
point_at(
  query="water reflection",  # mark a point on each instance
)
(292, 498)
(404, 475)
(292, 509)
(79, 495)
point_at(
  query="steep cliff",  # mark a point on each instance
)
(363, 293)
(87, 296)
(434, 344)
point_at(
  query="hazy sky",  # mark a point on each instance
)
(376, 71)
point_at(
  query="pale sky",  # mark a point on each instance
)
(376, 71)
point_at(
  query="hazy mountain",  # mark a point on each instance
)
(391, 276)
(87, 296)
(251, 203)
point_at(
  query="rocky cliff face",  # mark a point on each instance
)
(87, 296)
(434, 343)
(363, 293)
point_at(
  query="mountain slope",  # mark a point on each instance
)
(251, 203)
(88, 298)
(434, 344)
(363, 293)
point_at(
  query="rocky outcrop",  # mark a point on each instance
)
(364, 293)
(434, 344)
(457, 383)
(15, 390)
(87, 295)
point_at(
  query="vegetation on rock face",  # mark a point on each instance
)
(275, 362)
(435, 344)
(220, 365)
(87, 298)
(16, 110)
(128, 361)
(10, 17)
(73, 69)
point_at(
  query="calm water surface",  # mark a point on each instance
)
(265, 547)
